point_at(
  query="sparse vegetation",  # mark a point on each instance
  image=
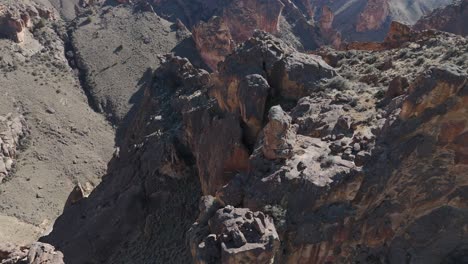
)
(338, 83)
(420, 61)
(41, 24)
(89, 19)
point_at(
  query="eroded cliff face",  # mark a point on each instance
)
(293, 160)
(452, 18)
(219, 26)
(363, 20)
(16, 19)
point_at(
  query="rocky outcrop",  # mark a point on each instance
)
(243, 17)
(279, 136)
(233, 235)
(213, 40)
(37, 253)
(237, 22)
(219, 26)
(452, 18)
(12, 131)
(326, 26)
(289, 79)
(16, 19)
(13, 25)
(293, 161)
(398, 35)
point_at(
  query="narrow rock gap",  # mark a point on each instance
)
(81, 74)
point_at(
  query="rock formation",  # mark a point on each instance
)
(213, 40)
(37, 253)
(232, 235)
(331, 35)
(397, 36)
(294, 161)
(258, 151)
(16, 19)
(223, 25)
(12, 131)
(452, 18)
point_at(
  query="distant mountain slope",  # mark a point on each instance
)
(453, 18)
(369, 20)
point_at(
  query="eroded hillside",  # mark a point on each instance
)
(360, 162)
(241, 138)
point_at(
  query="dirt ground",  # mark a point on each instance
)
(68, 142)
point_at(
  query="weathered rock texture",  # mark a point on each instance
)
(218, 26)
(214, 41)
(15, 19)
(12, 131)
(37, 253)
(232, 235)
(294, 161)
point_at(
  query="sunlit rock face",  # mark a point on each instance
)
(16, 19)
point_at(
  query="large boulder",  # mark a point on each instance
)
(298, 75)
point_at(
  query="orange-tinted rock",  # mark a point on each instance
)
(450, 130)
(14, 21)
(217, 38)
(326, 26)
(326, 20)
(439, 86)
(213, 40)
(252, 95)
(398, 33)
